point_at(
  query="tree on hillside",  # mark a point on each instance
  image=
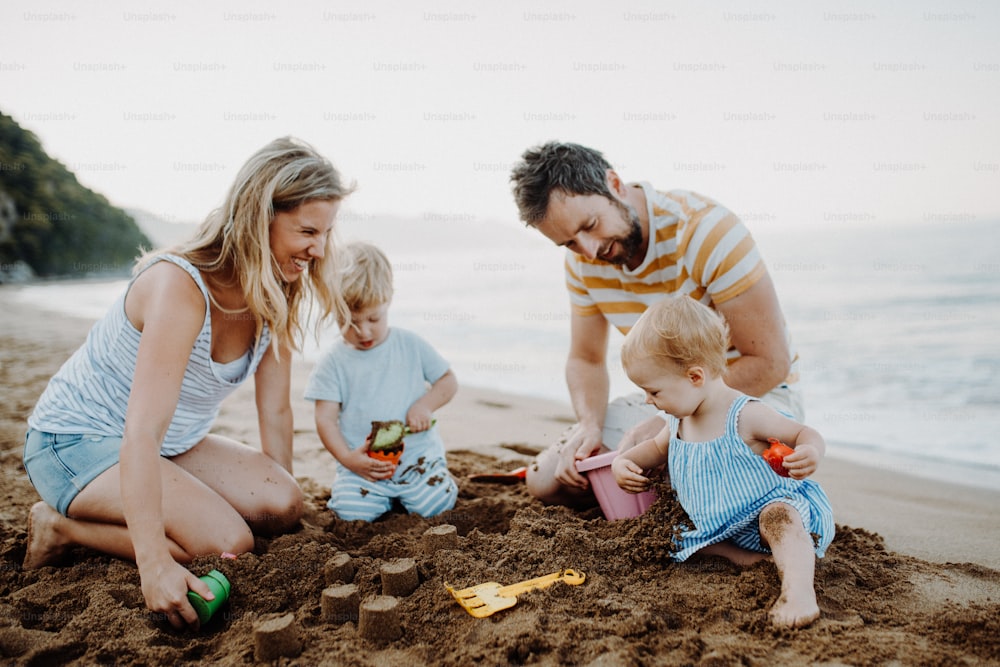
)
(53, 223)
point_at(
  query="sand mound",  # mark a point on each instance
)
(634, 608)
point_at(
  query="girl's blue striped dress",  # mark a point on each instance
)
(723, 486)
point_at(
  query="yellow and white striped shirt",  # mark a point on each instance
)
(697, 247)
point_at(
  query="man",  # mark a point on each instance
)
(629, 246)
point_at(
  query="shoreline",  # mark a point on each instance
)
(916, 465)
(919, 469)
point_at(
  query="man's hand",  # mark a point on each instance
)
(582, 442)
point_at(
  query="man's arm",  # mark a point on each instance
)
(587, 377)
(757, 330)
(587, 369)
(554, 478)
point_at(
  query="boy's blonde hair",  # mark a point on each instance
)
(365, 276)
(680, 332)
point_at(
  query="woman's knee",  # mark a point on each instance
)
(219, 535)
(239, 541)
(279, 510)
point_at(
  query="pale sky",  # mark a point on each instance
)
(789, 113)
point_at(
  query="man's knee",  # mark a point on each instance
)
(540, 479)
(787, 400)
(542, 485)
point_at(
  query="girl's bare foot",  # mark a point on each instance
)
(782, 530)
(45, 546)
(795, 611)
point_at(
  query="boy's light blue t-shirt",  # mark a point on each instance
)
(378, 385)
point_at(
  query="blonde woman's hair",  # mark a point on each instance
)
(232, 245)
(678, 332)
(365, 276)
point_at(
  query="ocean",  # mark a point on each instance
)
(896, 325)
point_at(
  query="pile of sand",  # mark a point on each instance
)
(634, 608)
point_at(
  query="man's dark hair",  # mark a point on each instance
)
(570, 168)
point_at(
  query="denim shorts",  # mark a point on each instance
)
(61, 465)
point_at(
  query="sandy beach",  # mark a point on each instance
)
(913, 576)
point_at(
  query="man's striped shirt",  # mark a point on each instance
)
(696, 247)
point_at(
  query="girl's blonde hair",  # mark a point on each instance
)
(678, 332)
(232, 245)
(365, 276)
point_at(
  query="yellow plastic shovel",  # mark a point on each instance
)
(482, 600)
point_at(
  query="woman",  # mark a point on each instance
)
(118, 444)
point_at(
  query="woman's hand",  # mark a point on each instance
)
(165, 585)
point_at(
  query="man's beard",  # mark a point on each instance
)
(631, 242)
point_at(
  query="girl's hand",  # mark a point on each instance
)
(802, 462)
(165, 586)
(628, 475)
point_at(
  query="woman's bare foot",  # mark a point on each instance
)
(795, 611)
(45, 546)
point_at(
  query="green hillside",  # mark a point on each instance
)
(52, 223)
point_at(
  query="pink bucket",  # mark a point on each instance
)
(615, 503)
